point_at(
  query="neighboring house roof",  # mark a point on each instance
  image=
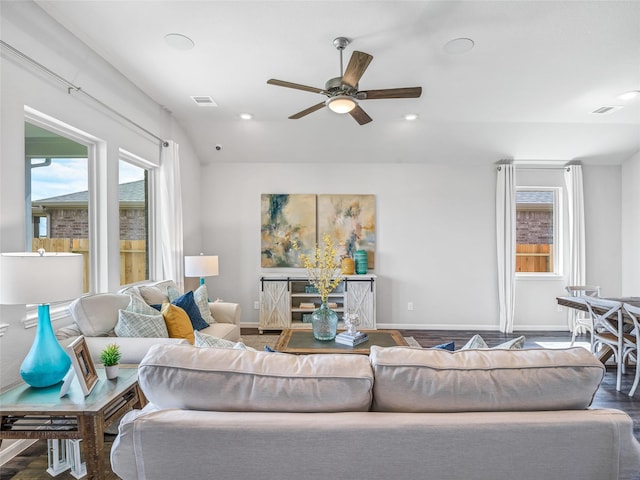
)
(534, 197)
(129, 193)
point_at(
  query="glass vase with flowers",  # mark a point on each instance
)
(323, 272)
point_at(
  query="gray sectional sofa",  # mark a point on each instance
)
(401, 413)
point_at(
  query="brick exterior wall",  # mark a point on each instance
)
(74, 223)
(534, 227)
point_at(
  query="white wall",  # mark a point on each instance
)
(435, 229)
(631, 226)
(27, 28)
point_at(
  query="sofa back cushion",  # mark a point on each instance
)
(97, 315)
(154, 293)
(424, 380)
(223, 379)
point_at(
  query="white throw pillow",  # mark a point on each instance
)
(138, 305)
(201, 297)
(131, 324)
(205, 340)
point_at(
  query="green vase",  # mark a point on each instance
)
(362, 261)
(325, 323)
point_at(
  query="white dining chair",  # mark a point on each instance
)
(608, 330)
(634, 313)
(579, 321)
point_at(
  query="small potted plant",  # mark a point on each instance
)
(110, 357)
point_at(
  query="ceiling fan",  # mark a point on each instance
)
(343, 91)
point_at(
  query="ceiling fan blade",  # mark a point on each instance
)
(307, 111)
(411, 92)
(358, 63)
(297, 86)
(360, 115)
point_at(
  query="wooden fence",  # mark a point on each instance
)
(534, 257)
(133, 256)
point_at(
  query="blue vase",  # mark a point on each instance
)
(324, 322)
(46, 363)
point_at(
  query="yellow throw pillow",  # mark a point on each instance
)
(177, 321)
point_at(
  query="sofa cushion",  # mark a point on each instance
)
(415, 380)
(153, 295)
(97, 315)
(131, 324)
(223, 379)
(177, 322)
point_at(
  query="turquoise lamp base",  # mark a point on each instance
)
(46, 363)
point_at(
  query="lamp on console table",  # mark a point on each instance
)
(201, 266)
(40, 278)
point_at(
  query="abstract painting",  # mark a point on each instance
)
(351, 222)
(286, 218)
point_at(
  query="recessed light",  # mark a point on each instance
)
(178, 41)
(458, 46)
(629, 95)
(411, 116)
(246, 116)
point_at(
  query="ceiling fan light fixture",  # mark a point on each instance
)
(341, 103)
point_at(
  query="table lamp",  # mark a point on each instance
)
(201, 266)
(41, 278)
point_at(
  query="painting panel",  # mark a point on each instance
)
(351, 222)
(286, 218)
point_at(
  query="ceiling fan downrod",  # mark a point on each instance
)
(341, 43)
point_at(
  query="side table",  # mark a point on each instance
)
(40, 413)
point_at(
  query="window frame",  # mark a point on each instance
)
(558, 247)
(152, 175)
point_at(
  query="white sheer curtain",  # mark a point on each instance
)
(577, 253)
(506, 243)
(169, 216)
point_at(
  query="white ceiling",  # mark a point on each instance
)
(525, 91)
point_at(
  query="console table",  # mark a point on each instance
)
(40, 413)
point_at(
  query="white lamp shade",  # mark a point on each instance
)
(201, 266)
(28, 277)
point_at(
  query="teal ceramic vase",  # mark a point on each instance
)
(324, 322)
(46, 363)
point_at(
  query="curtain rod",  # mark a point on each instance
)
(566, 167)
(71, 87)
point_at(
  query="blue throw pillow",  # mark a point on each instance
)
(450, 346)
(188, 304)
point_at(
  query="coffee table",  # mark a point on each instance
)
(37, 413)
(301, 341)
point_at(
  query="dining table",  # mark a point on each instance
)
(579, 304)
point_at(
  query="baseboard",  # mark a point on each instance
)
(14, 449)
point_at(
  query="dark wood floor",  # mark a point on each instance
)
(32, 463)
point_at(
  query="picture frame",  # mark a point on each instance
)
(83, 364)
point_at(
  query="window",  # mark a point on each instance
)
(537, 246)
(57, 194)
(134, 220)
